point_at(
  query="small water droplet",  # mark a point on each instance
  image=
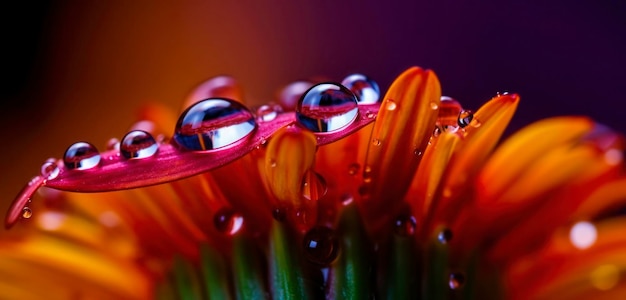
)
(346, 199)
(444, 236)
(417, 152)
(280, 213)
(370, 115)
(456, 281)
(138, 144)
(113, 144)
(227, 221)
(267, 112)
(27, 213)
(321, 246)
(391, 105)
(365, 89)
(376, 142)
(326, 107)
(475, 123)
(313, 186)
(212, 124)
(289, 96)
(465, 118)
(273, 163)
(404, 225)
(436, 131)
(81, 156)
(50, 169)
(353, 168)
(367, 174)
(434, 105)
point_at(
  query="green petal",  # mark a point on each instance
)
(286, 274)
(247, 270)
(215, 273)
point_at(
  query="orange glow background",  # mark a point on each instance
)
(96, 63)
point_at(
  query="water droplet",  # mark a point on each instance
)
(313, 186)
(391, 105)
(267, 112)
(113, 144)
(449, 110)
(583, 235)
(367, 174)
(434, 105)
(353, 168)
(376, 142)
(50, 169)
(326, 107)
(417, 152)
(138, 144)
(444, 236)
(475, 123)
(273, 163)
(289, 96)
(321, 245)
(404, 225)
(365, 89)
(227, 221)
(456, 281)
(81, 156)
(27, 212)
(436, 131)
(212, 124)
(465, 118)
(280, 213)
(346, 199)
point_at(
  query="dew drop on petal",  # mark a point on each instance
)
(376, 142)
(212, 124)
(365, 89)
(434, 106)
(583, 235)
(444, 236)
(227, 221)
(321, 246)
(353, 169)
(404, 225)
(326, 107)
(289, 96)
(81, 156)
(138, 144)
(279, 213)
(390, 105)
(456, 281)
(273, 163)
(313, 186)
(27, 213)
(465, 118)
(417, 152)
(346, 199)
(113, 144)
(50, 169)
(267, 112)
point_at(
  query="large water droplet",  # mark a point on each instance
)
(444, 236)
(321, 246)
(365, 89)
(138, 144)
(313, 186)
(456, 281)
(326, 107)
(212, 124)
(404, 225)
(27, 213)
(50, 169)
(449, 110)
(227, 221)
(81, 156)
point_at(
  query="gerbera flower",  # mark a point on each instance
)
(348, 196)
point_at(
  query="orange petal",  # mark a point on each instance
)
(404, 124)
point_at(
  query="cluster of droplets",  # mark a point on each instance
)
(452, 117)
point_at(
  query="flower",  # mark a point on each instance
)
(409, 196)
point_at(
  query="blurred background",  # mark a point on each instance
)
(79, 70)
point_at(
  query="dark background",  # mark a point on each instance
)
(79, 71)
